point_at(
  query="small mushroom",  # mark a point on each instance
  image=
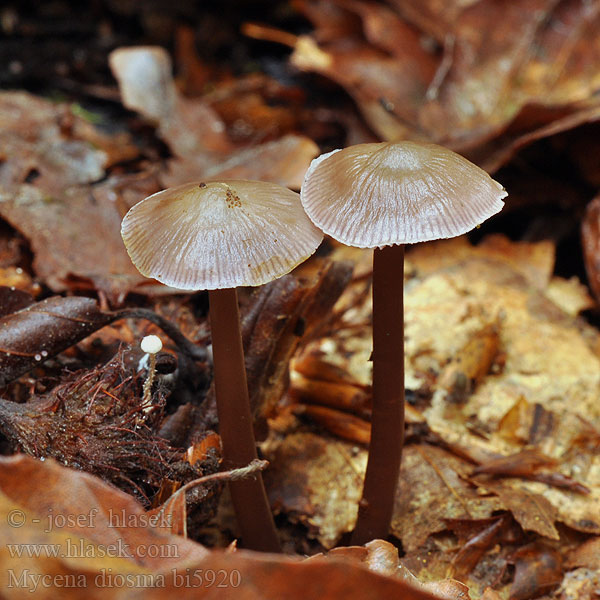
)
(217, 236)
(383, 196)
(151, 345)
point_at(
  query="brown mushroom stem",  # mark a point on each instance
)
(387, 421)
(249, 497)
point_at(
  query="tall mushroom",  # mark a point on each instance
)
(383, 196)
(217, 236)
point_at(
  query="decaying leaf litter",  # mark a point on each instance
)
(500, 485)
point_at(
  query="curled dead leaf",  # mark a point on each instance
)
(538, 569)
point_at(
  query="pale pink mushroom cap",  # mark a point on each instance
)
(373, 195)
(215, 235)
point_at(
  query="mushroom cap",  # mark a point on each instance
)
(213, 235)
(373, 195)
(151, 344)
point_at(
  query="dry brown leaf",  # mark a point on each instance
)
(382, 557)
(505, 75)
(270, 577)
(433, 561)
(31, 332)
(317, 482)
(93, 541)
(50, 144)
(191, 128)
(91, 509)
(258, 107)
(431, 490)
(523, 463)
(476, 546)
(386, 89)
(534, 262)
(532, 511)
(587, 555)
(538, 569)
(449, 589)
(194, 131)
(528, 463)
(74, 233)
(73, 229)
(525, 423)
(559, 384)
(283, 161)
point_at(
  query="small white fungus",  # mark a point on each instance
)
(151, 344)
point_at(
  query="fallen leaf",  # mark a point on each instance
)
(190, 127)
(586, 555)
(471, 552)
(526, 423)
(283, 161)
(538, 569)
(524, 463)
(105, 544)
(532, 511)
(35, 145)
(58, 229)
(489, 80)
(41, 330)
(431, 490)
(382, 557)
(90, 509)
(258, 107)
(194, 131)
(316, 482)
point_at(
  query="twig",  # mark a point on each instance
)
(190, 348)
(255, 466)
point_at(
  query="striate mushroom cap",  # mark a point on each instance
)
(214, 235)
(374, 195)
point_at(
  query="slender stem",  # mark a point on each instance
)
(387, 421)
(235, 423)
(147, 389)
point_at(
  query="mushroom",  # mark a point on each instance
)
(382, 196)
(151, 345)
(217, 236)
